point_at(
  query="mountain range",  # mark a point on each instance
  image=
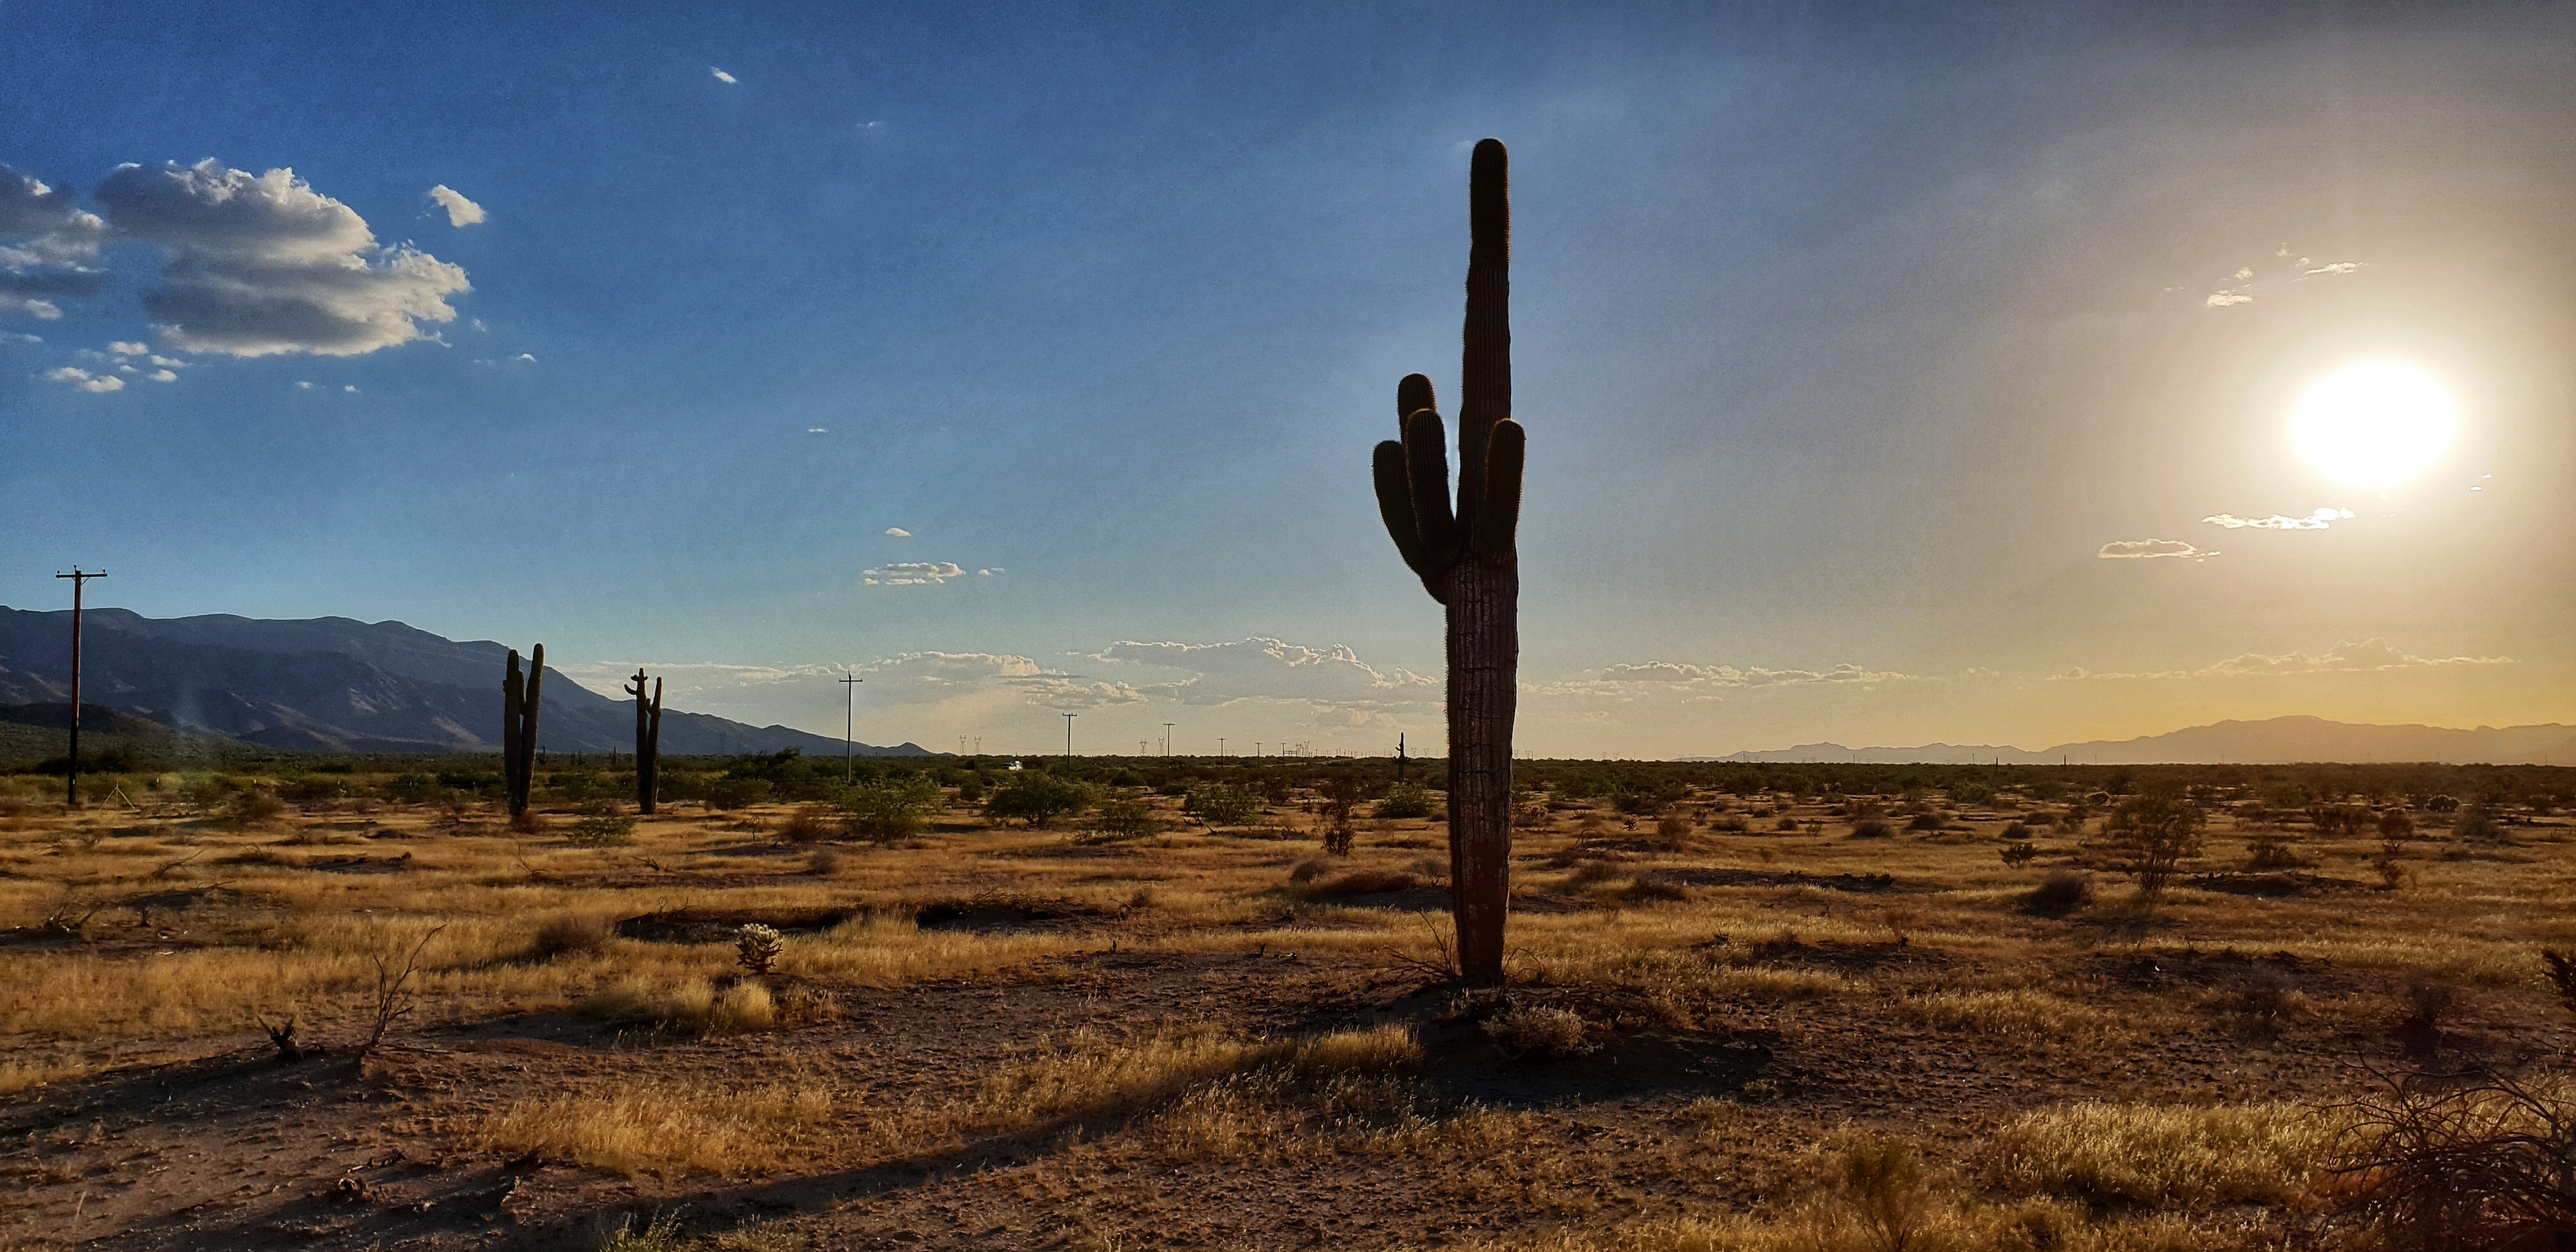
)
(2272, 741)
(336, 684)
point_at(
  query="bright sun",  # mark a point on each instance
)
(2374, 424)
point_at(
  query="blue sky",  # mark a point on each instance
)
(1846, 337)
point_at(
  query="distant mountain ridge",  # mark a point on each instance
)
(336, 684)
(2272, 741)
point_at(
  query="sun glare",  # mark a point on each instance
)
(2375, 424)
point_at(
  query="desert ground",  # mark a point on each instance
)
(1738, 1017)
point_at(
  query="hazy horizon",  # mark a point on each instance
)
(1889, 380)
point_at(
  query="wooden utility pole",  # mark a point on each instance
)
(1068, 736)
(71, 773)
(849, 725)
(1167, 738)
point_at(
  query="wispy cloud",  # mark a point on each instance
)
(1682, 678)
(721, 76)
(912, 574)
(1267, 669)
(897, 532)
(2321, 519)
(49, 246)
(2366, 656)
(461, 212)
(2147, 549)
(2239, 287)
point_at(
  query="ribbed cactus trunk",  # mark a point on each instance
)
(1468, 558)
(520, 696)
(648, 743)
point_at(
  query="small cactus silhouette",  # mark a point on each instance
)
(758, 947)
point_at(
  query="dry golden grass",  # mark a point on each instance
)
(2020, 1013)
(656, 1127)
(2168, 1155)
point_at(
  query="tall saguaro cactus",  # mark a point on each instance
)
(648, 743)
(1468, 559)
(519, 697)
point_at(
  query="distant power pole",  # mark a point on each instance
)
(1068, 736)
(1220, 745)
(849, 725)
(1167, 738)
(71, 776)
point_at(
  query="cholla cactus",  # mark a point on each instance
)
(758, 947)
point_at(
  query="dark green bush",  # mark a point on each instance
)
(1221, 805)
(1405, 800)
(1037, 799)
(890, 807)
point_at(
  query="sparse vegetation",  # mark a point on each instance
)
(593, 1012)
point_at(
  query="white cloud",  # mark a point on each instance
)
(2318, 520)
(167, 363)
(124, 347)
(2142, 549)
(351, 388)
(2336, 270)
(2367, 656)
(1628, 681)
(261, 265)
(721, 76)
(2222, 299)
(912, 574)
(817, 430)
(301, 385)
(461, 212)
(527, 357)
(85, 380)
(9, 336)
(162, 376)
(898, 532)
(1267, 669)
(48, 246)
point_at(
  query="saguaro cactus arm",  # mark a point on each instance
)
(1466, 553)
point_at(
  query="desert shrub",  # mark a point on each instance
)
(1036, 798)
(734, 793)
(970, 789)
(569, 935)
(1405, 801)
(2059, 894)
(253, 807)
(2016, 831)
(1927, 821)
(809, 823)
(1123, 817)
(1379, 1049)
(757, 947)
(1972, 793)
(602, 830)
(2561, 969)
(888, 808)
(1872, 828)
(2263, 1005)
(2165, 1155)
(1309, 870)
(2477, 825)
(1672, 829)
(1654, 888)
(1540, 1033)
(2441, 804)
(1788, 825)
(1340, 795)
(1729, 823)
(2269, 852)
(2476, 1165)
(1883, 1185)
(1219, 805)
(2020, 853)
(2149, 837)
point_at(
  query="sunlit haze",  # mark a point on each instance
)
(1990, 375)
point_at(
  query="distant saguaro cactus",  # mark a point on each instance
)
(1468, 559)
(648, 743)
(519, 696)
